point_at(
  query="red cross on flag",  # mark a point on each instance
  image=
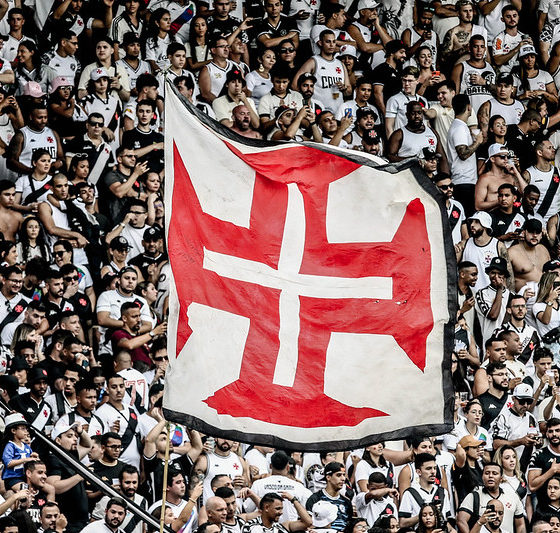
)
(310, 299)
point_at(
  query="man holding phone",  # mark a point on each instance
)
(491, 520)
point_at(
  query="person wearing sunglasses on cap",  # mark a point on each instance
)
(516, 426)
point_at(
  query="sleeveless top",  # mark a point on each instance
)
(481, 257)
(412, 143)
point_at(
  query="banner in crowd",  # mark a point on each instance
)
(311, 291)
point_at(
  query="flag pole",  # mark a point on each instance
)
(165, 469)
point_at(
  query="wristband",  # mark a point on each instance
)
(191, 500)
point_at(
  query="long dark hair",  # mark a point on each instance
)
(35, 59)
(368, 458)
(152, 29)
(437, 514)
(192, 37)
(24, 239)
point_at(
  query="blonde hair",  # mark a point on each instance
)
(498, 459)
(545, 285)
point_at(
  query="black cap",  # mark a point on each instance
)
(126, 269)
(130, 37)
(370, 137)
(499, 264)
(119, 243)
(364, 112)
(235, 74)
(306, 76)
(430, 153)
(533, 225)
(37, 374)
(153, 233)
(506, 78)
(553, 264)
(19, 363)
(332, 468)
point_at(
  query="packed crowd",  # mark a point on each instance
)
(469, 89)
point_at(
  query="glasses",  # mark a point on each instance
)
(96, 124)
(60, 253)
(71, 278)
(361, 527)
(524, 401)
(114, 446)
(287, 50)
(159, 359)
(445, 187)
(501, 156)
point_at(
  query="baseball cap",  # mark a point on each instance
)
(468, 441)
(506, 78)
(235, 74)
(323, 513)
(15, 419)
(394, 46)
(367, 4)
(130, 37)
(553, 264)
(60, 428)
(332, 468)
(497, 149)
(370, 137)
(527, 50)
(153, 233)
(429, 153)
(19, 363)
(98, 73)
(499, 264)
(306, 76)
(33, 89)
(119, 243)
(348, 50)
(364, 112)
(60, 81)
(533, 225)
(484, 218)
(523, 390)
(37, 374)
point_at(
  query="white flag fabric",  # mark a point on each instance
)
(311, 292)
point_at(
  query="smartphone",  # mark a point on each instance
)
(556, 284)
(491, 507)
(348, 112)
(435, 73)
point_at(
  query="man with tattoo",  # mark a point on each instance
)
(461, 147)
(455, 45)
(502, 170)
(503, 104)
(506, 45)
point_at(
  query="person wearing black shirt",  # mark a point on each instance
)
(466, 470)
(523, 137)
(546, 462)
(507, 221)
(152, 242)
(146, 143)
(275, 27)
(69, 485)
(387, 76)
(108, 468)
(496, 396)
(32, 404)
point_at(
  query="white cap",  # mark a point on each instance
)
(15, 419)
(367, 4)
(497, 149)
(348, 50)
(98, 73)
(60, 428)
(323, 513)
(526, 50)
(523, 391)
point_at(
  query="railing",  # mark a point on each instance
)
(90, 476)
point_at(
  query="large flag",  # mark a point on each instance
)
(311, 291)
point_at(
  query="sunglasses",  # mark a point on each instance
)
(96, 124)
(287, 50)
(445, 187)
(59, 253)
(524, 401)
(71, 278)
(159, 359)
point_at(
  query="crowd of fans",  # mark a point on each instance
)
(468, 88)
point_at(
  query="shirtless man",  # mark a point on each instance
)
(10, 220)
(528, 257)
(455, 46)
(242, 122)
(502, 171)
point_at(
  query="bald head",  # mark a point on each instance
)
(216, 508)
